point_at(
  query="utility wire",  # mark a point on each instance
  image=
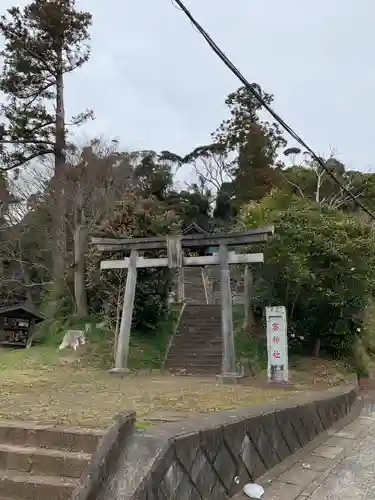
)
(254, 92)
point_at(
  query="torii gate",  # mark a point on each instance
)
(175, 259)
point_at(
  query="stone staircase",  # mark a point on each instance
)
(41, 462)
(194, 291)
(196, 346)
(237, 284)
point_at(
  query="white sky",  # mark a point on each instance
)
(154, 83)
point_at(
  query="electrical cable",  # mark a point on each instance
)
(254, 92)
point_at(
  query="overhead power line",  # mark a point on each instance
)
(279, 120)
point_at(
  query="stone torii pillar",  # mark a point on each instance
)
(229, 370)
(122, 352)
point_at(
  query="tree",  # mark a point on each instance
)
(225, 207)
(136, 217)
(320, 265)
(191, 205)
(255, 144)
(6, 199)
(98, 177)
(43, 42)
(153, 174)
(308, 179)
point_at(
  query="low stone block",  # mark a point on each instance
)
(298, 476)
(278, 490)
(327, 451)
(316, 463)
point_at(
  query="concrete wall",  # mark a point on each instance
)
(213, 456)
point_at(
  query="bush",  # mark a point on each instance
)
(134, 217)
(320, 265)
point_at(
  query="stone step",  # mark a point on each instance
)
(195, 317)
(201, 310)
(193, 370)
(206, 307)
(42, 461)
(195, 361)
(195, 367)
(187, 360)
(205, 347)
(36, 435)
(203, 326)
(183, 360)
(29, 487)
(195, 354)
(198, 331)
(198, 342)
(201, 322)
(190, 311)
(206, 322)
(198, 336)
(197, 345)
(191, 345)
(191, 349)
(191, 315)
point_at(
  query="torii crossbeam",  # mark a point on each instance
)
(176, 260)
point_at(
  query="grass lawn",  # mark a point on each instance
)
(41, 385)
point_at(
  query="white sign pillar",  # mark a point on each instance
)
(277, 344)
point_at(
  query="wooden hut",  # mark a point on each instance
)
(16, 325)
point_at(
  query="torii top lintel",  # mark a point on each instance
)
(190, 241)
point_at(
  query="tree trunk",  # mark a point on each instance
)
(248, 288)
(80, 245)
(26, 276)
(79, 271)
(59, 188)
(316, 350)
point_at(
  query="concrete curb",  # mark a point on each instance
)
(104, 457)
(290, 490)
(202, 456)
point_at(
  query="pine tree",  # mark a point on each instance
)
(43, 42)
(255, 143)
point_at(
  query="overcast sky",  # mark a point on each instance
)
(155, 84)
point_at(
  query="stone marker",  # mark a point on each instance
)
(73, 339)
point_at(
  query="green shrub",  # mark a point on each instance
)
(320, 265)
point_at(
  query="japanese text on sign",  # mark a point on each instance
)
(277, 343)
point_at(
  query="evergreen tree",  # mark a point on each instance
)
(43, 42)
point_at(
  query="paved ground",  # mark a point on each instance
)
(341, 467)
